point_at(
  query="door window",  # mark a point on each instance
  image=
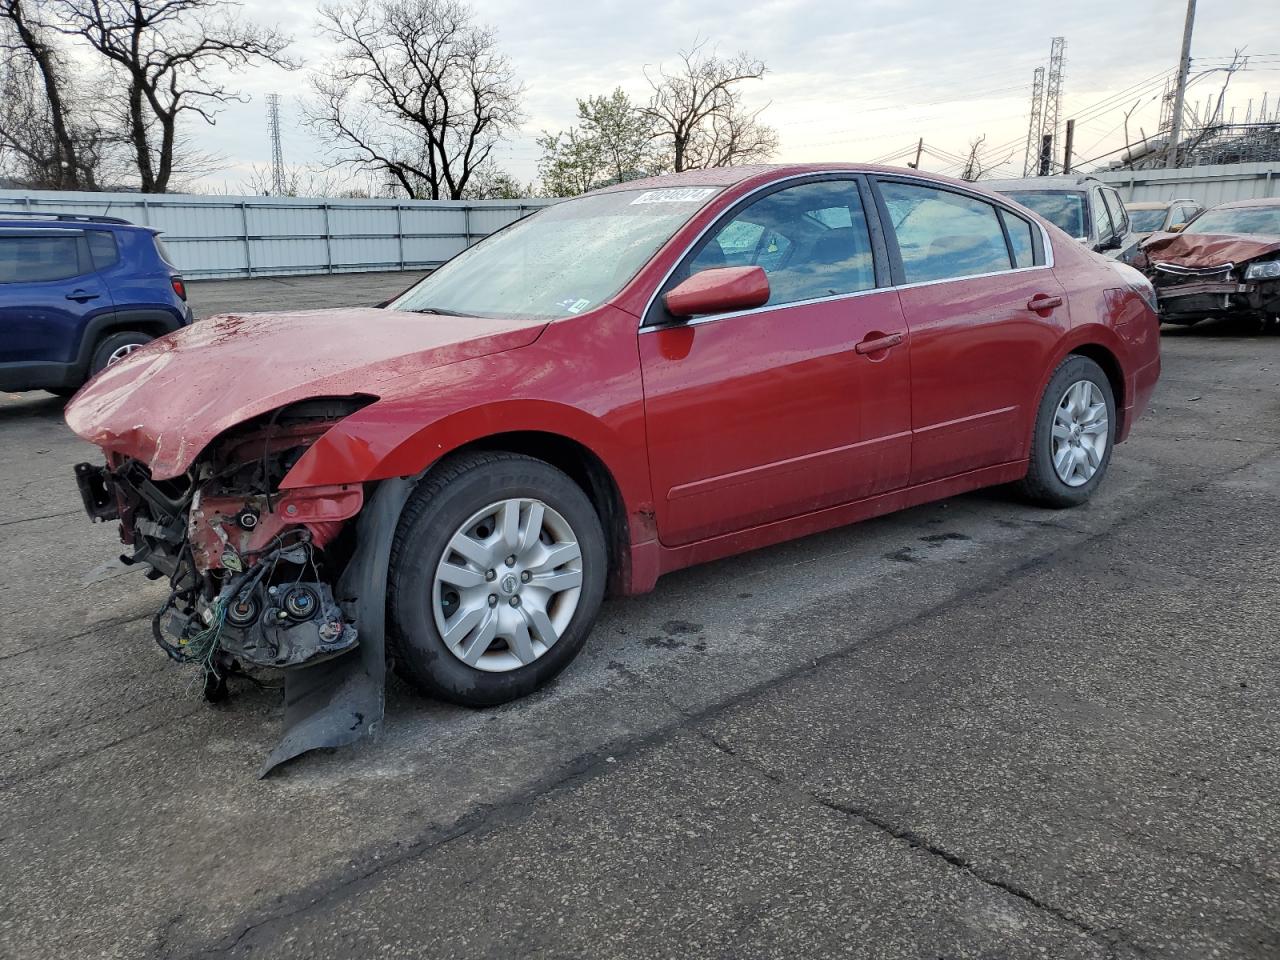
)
(1020, 239)
(944, 235)
(28, 259)
(811, 240)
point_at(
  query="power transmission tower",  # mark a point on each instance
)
(1053, 95)
(278, 186)
(1033, 128)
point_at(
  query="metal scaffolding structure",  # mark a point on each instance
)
(278, 185)
(1053, 97)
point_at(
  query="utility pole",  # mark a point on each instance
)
(1180, 92)
(919, 150)
(1071, 140)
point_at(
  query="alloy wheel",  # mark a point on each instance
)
(119, 353)
(507, 585)
(1080, 433)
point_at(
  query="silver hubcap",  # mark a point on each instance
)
(119, 353)
(507, 585)
(1080, 433)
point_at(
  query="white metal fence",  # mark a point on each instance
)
(1210, 184)
(220, 237)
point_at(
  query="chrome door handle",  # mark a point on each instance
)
(877, 344)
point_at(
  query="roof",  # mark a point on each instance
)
(1060, 182)
(732, 176)
(1255, 202)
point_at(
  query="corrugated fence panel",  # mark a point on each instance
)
(1209, 184)
(210, 237)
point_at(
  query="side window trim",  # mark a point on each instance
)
(653, 315)
(891, 240)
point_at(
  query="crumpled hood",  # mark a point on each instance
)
(164, 403)
(1207, 249)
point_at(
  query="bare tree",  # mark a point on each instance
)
(48, 132)
(416, 89)
(697, 113)
(973, 168)
(165, 53)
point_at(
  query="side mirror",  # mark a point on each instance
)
(1114, 242)
(719, 290)
(1177, 228)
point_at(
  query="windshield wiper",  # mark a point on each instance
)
(441, 312)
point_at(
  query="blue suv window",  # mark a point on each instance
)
(102, 244)
(28, 259)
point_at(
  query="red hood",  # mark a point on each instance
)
(1207, 249)
(164, 403)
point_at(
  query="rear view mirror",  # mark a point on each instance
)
(719, 290)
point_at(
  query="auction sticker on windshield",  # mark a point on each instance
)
(675, 195)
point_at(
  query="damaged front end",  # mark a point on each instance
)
(1248, 291)
(261, 577)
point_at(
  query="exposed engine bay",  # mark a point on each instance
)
(253, 571)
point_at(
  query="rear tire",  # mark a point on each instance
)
(504, 556)
(116, 346)
(1073, 437)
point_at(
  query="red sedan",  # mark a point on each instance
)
(646, 377)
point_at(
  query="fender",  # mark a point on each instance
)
(376, 444)
(1096, 335)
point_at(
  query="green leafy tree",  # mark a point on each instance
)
(612, 143)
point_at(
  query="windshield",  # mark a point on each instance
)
(1064, 210)
(1146, 221)
(1264, 221)
(562, 260)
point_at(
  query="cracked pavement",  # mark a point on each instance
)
(974, 729)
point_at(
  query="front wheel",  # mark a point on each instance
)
(1074, 432)
(497, 573)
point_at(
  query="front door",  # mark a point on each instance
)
(765, 414)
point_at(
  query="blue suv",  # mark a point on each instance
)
(78, 293)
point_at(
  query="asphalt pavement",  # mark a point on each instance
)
(973, 729)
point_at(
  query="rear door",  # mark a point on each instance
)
(984, 310)
(48, 291)
(760, 415)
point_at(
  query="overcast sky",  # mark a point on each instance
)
(848, 79)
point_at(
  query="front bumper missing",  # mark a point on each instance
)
(336, 702)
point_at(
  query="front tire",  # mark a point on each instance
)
(1074, 433)
(498, 570)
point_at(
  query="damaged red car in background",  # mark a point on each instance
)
(650, 376)
(1224, 264)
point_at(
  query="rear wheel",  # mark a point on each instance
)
(1074, 433)
(497, 574)
(114, 347)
